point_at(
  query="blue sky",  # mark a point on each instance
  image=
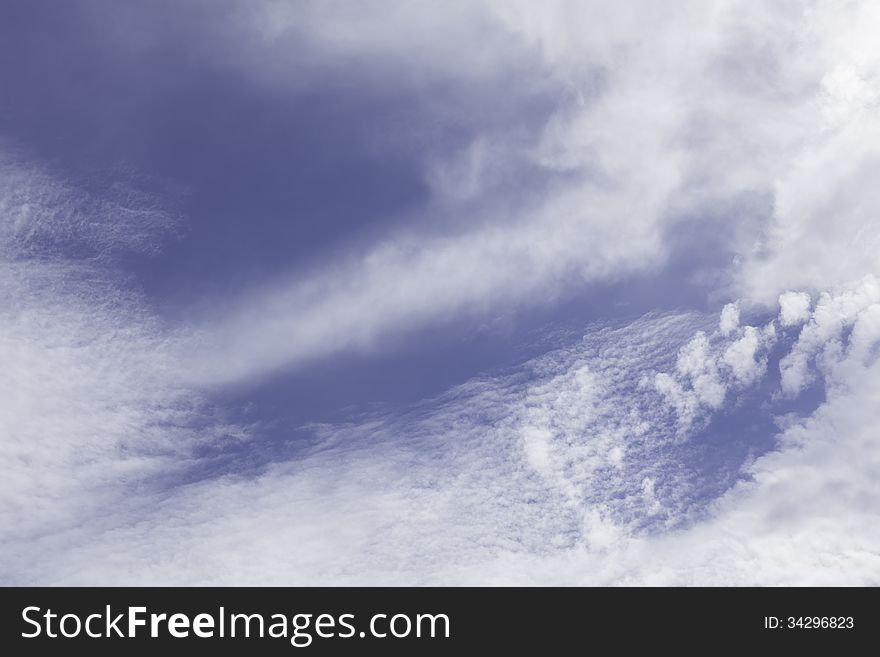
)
(389, 293)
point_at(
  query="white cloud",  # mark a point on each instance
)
(711, 366)
(89, 404)
(656, 117)
(824, 230)
(42, 217)
(820, 339)
(550, 456)
(546, 475)
(729, 319)
(794, 308)
(413, 280)
(740, 357)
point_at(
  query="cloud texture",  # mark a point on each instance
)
(733, 442)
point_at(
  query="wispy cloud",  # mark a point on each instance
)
(655, 117)
(90, 404)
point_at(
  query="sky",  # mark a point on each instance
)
(439, 293)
